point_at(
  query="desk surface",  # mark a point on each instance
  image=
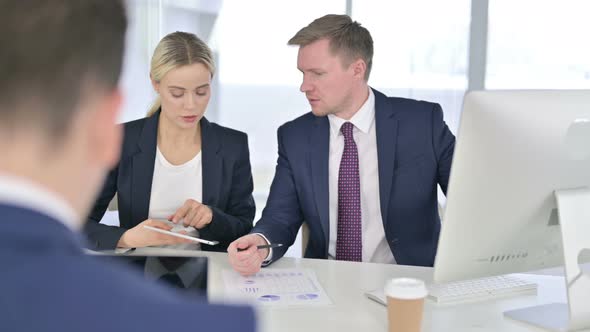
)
(346, 283)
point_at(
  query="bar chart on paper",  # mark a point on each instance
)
(277, 287)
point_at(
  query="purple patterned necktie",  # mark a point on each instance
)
(349, 237)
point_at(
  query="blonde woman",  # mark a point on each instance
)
(178, 171)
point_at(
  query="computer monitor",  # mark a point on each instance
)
(516, 151)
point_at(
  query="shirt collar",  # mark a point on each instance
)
(363, 119)
(27, 194)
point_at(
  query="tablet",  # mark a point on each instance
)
(184, 236)
(188, 274)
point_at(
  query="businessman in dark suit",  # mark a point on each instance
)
(58, 138)
(361, 169)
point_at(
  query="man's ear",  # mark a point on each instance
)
(106, 135)
(359, 68)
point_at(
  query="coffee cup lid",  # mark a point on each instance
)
(406, 288)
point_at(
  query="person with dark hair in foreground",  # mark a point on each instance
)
(60, 65)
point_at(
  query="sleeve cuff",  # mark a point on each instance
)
(268, 258)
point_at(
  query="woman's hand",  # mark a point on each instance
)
(140, 236)
(193, 213)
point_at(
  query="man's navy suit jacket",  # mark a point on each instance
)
(49, 284)
(227, 184)
(414, 150)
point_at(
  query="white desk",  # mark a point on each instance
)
(346, 282)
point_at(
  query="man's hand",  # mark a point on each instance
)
(249, 260)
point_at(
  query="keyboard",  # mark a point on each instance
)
(471, 290)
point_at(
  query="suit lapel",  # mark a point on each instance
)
(319, 144)
(386, 131)
(212, 163)
(143, 169)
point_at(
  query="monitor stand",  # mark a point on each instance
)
(574, 217)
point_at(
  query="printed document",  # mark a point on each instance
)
(277, 287)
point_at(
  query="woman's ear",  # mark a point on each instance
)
(155, 84)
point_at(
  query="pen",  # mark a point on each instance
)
(265, 246)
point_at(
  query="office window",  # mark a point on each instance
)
(258, 76)
(149, 21)
(538, 45)
(256, 87)
(135, 83)
(421, 49)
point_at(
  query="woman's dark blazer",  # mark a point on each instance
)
(227, 184)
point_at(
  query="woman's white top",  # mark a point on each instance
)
(172, 185)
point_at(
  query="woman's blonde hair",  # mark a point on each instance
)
(176, 50)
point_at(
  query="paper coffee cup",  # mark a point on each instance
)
(405, 304)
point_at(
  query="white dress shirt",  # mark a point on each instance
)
(375, 246)
(27, 194)
(172, 185)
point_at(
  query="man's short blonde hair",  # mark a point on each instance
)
(347, 38)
